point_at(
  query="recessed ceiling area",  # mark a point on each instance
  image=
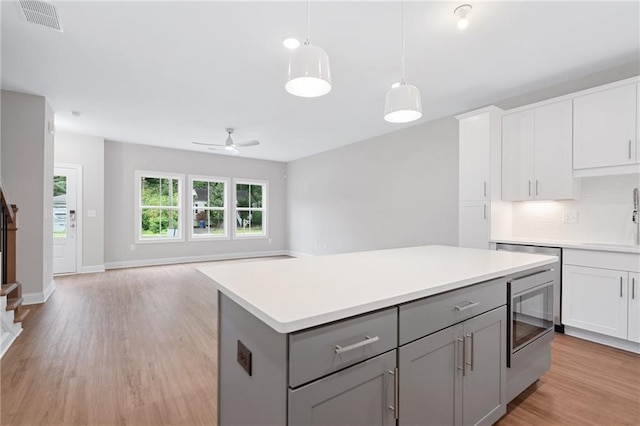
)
(169, 73)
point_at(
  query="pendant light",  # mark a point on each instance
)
(309, 74)
(402, 103)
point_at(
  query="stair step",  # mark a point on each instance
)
(8, 288)
(12, 304)
(20, 315)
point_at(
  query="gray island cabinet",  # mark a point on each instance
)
(413, 336)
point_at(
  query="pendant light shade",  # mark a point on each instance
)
(309, 74)
(402, 104)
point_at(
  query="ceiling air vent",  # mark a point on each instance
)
(41, 12)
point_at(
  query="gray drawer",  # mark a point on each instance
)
(312, 353)
(423, 317)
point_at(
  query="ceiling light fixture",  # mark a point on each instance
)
(402, 103)
(291, 43)
(309, 74)
(461, 12)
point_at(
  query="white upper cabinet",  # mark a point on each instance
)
(475, 164)
(517, 156)
(604, 126)
(537, 154)
(553, 154)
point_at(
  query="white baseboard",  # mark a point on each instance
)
(299, 254)
(602, 339)
(91, 269)
(40, 297)
(192, 259)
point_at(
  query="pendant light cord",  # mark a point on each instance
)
(308, 22)
(402, 55)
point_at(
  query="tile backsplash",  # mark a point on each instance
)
(603, 213)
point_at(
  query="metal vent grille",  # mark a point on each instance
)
(41, 12)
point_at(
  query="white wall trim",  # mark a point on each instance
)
(91, 269)
(299, 254)
(602, 339)
(38, 298)
(192, 259)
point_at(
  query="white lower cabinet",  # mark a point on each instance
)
(455, 376)
(595, 299)
(601, 297)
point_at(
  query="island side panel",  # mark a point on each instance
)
(260, 398)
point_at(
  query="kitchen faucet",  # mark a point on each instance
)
(634, 215)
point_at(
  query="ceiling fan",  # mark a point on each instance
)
(229, 145)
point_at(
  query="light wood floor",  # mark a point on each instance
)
(138, 347)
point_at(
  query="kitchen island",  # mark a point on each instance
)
(414, 335)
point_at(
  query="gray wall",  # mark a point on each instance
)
(395, 190)
(27, 159)
(87, 151)
(121, 161)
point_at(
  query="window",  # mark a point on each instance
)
(208, 207)
(159, 212)
(251, 214)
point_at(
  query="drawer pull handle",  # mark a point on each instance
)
(469, 305)
(367, 341)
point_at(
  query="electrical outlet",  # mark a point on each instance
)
(132, 247)
(244, 357)
(570, 216)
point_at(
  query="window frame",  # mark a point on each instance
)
(218, 179)
(263, 209)
(139, 174)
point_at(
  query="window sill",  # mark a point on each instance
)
(160, 240)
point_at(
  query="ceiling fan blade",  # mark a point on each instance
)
(248, 143)
(207, 144)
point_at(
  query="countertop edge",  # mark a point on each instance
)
(301, 324)
(574, 245)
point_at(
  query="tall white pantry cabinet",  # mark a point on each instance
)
(479, 175)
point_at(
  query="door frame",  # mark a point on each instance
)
(79, 213)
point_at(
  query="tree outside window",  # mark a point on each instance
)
(250, 209)
(159, 206)
(208, 207)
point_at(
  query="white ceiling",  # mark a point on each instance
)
(166, 73)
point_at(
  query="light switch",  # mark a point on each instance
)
(570, 216)
(91, 213)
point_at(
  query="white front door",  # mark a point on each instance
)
(65, 216)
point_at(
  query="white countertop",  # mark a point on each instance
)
(578, 245)
(294, 294)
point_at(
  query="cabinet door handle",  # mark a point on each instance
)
(537, 185)
(464, 356)
(629, 149)
(633, 288)
(470, 336)
(459, 340)
(620, 286)
(484, 211)
(529, 188)
(396, 392)
(367, 341)
(485, 188)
